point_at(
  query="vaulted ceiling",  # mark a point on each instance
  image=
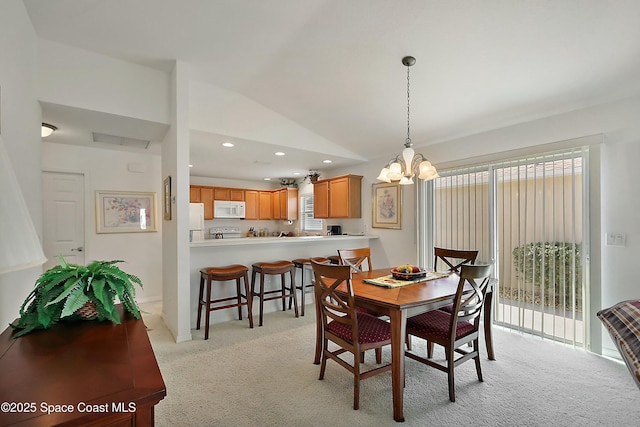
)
(334, 66)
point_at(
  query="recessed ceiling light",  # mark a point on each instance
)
(327, 161)
(296, 173)
(227, 144)
(190, 166)
(279, 153)
(267, 179)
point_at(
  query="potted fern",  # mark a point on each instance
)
(73, 292)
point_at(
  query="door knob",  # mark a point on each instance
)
(79, 249)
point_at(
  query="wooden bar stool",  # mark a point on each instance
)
(221, 274)
(274, 268)
(303, 263)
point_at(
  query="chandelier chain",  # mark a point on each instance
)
(408, 108)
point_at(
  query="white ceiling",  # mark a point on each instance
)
(334, 66)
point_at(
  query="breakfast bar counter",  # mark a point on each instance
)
(278, 240)
(248, 250)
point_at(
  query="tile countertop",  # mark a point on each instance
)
(275, 240)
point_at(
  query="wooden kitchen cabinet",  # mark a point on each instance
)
(252, 204)
(339, 197)
(259, 204)
(194, 194)
(288, 204)
(275, 205)
(206, 197)
(265, 205)
(233, 194)
(236, 194)
(321, 199)
(202, 194)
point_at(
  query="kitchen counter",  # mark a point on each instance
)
(276, 240)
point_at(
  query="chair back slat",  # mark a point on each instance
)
(453, 258)
(355, 258)
(468, 303)
(335, 306)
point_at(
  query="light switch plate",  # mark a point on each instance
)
(616, 239)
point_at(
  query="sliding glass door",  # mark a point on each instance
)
(526, 216)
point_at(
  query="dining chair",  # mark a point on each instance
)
(352, 331)
(355, 258)
(453, 258)
(455, 329)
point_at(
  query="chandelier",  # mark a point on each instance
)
(408, 163)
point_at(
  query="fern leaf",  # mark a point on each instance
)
(73, 287)
(75, 300)
(50, 280)
(97, 289)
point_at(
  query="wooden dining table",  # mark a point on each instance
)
(399, 303)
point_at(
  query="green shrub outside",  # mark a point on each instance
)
(556, 265)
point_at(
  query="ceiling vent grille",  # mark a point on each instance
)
(120, 140)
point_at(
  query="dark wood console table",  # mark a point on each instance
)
(85, 373)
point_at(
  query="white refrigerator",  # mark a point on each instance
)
(196, 222)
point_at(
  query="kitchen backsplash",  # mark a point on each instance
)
(274, 227)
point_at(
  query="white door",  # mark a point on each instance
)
(63, 223)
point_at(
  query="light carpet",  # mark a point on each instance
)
(266, 377)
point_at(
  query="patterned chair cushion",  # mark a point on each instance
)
(371, 329)
(435, 324)
(623, 323)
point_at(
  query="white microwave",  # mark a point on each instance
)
(228, 209)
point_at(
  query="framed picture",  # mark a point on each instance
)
(166, 197)
(125, 212)
(387, 206)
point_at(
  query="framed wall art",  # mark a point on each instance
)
(125, 212)
(387, 206)
(166, 199)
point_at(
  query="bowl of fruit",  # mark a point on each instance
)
(408, 272)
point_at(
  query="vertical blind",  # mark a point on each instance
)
(526, 216)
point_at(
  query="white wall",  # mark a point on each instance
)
(82, 79)
(175, 241)
(107, 170)
(231, 111)
(20, 118)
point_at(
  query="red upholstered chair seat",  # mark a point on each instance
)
(371, 329)
(434, 326)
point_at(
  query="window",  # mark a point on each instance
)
(307, 221)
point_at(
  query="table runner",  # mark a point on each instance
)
(389, 282)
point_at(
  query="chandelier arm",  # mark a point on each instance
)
(415, 162)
